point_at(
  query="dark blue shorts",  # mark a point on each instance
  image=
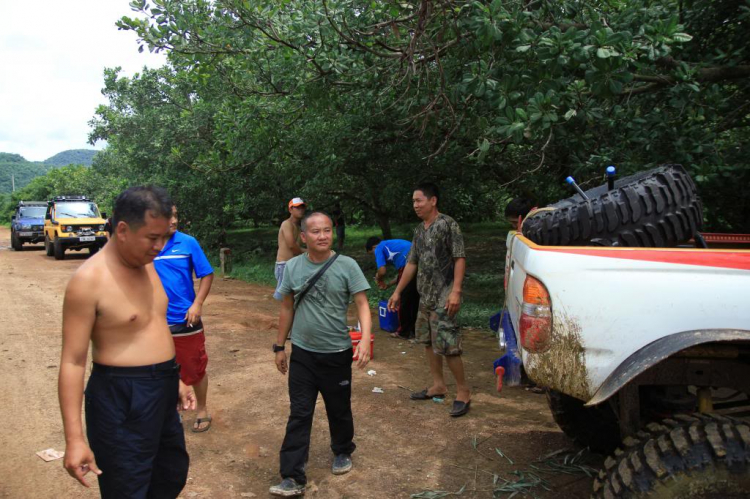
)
(135, 432)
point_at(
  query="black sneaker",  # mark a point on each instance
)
(342, 464)
(287, 488)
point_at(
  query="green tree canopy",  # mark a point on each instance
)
(358, 100)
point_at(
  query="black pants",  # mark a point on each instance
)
(310, 373)
(409, 307)
(135, 432)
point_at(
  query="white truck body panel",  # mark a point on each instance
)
(605, 308)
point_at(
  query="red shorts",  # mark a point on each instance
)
(192, 357)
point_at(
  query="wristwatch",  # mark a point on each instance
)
(278, 348)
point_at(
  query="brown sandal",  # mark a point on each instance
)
(198, 421)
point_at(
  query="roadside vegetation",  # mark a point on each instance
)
(357, 102)
(254, 254)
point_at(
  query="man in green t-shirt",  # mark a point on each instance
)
(321, 360)
(438, 260)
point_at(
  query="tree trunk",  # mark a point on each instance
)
(384, 222)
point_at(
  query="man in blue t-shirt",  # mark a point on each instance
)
(396, 251)
(180, 258)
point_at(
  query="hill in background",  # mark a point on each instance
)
(23, 171)
(72, 157)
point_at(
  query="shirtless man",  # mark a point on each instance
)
(290, 241)
(116, 301)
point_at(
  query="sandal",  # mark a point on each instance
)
(460, 408)
(423, 395)
(198, 421)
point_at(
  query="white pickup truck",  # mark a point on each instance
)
(645, 348)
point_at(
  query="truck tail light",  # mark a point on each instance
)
(535, 326)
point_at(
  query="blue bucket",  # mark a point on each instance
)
(388, 319)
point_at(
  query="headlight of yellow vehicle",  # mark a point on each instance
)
(101, 228)
(69, 228)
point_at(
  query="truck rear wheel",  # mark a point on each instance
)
(592, 427)
(59, 250)
(48, 248)
(699, 456)
(15, 242)
(656, 208)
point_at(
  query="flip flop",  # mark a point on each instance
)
(423, 395)
(460, 408)
(198, 422)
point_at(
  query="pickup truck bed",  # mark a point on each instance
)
(610, 303)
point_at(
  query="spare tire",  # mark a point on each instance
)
(656, 208)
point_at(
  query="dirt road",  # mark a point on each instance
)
(404, 447)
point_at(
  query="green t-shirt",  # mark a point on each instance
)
(320, 319)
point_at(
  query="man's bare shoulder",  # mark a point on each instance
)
(88, 276)
(151, 271)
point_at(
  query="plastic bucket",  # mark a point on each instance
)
(356, 338)
(388, 319)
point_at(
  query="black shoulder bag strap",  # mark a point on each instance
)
(313, 280)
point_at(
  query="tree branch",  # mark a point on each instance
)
(704, 75)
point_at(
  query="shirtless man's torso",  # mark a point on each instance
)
(116, 301)
(290, 241)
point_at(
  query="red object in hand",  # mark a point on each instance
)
(500, 372)
(356, 338)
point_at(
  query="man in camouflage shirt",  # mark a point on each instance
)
(438, 260)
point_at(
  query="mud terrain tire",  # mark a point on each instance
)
(655, 208)
(15, 242)
(48, 248)
(59, 251)
(592, 427)
(688, 456)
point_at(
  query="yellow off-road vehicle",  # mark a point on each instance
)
(73, 222)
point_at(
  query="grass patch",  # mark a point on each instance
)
(254, 255)
(527, 480)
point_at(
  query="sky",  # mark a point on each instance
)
(52, 59)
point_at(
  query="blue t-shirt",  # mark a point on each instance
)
(180, 257)
(394, 251)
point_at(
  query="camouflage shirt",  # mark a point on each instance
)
(433, 250)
